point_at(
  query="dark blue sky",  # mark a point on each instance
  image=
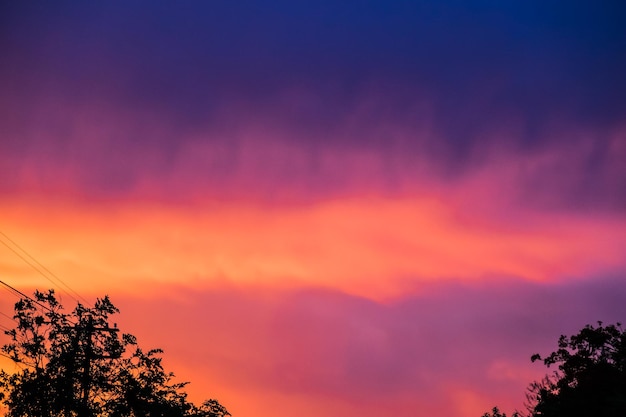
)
(530, 57)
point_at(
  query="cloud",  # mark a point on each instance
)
(376, 247)
(307, 102)
(369, 208)
(452, 345)
(96, 152)
(451, 77)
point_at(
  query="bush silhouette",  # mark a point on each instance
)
(77, 364)
(590, 380)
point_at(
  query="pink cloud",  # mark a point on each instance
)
(456, 349)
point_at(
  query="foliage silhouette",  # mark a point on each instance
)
(497, 413)
(591, 376)
(77, 365)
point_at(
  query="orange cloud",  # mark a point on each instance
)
(374, 247)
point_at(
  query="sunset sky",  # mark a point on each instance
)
(337, 208)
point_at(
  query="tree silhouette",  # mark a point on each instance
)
(77, 365)
(497, 413)
(590, 380)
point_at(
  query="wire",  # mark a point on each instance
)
(18, 363)
(67, 289)
(21, 294)
(12, 291)
(7, 316)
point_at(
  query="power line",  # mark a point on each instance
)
(22, 295)
(6, 315)
(15, 361)
(7, 356)
(34, 267)
(67, 289)
(12, 291)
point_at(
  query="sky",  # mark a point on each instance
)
(343, 208)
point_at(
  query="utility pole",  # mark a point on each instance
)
(88, 331)
(86, 381)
